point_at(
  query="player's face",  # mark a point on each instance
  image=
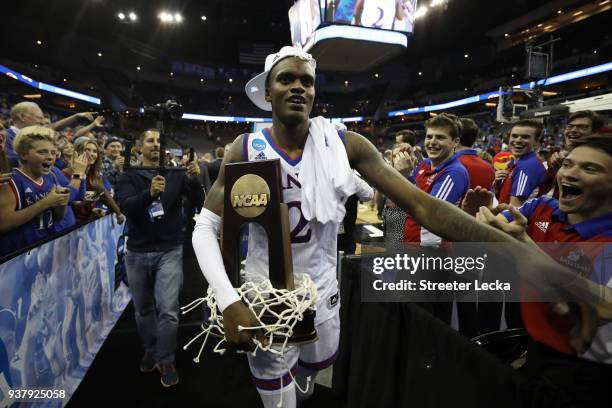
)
(291, 90)
(439, 144)
(585, 181)
(113, 150)
(40, 158)
(92, 152)
(522, 140)
(150, 147)
(577, 129)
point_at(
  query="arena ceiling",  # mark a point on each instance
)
(230, 23)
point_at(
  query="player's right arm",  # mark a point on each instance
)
(208, 252)
(11, 218)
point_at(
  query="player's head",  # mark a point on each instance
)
(36, 149)
(524, 136)
(469, 132)
(286, 87)
(585, 177)
(581, 124)
(442, 134)
(150, 145)
(27, 114)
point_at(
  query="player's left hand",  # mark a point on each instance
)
(193, 169)
(517, 228)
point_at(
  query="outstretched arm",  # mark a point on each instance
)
(437, 216)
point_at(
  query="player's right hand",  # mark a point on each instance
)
(158, 185)
(237, 314)
(57, 197)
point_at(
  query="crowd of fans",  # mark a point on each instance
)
(61, 174)
(88, 160)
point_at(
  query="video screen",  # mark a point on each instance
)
(305, 16)
(304, 19)
(397, 15)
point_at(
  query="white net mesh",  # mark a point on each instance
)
(286, 307)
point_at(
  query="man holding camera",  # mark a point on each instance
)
(152, 204)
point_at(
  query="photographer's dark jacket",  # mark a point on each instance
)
(134, 198)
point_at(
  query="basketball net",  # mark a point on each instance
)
(284, 306)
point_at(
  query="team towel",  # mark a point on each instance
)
(325, 174)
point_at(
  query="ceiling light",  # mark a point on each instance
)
(121, 16)
(559, 12)
(376, 75)
(346, 82)
(604, 2)
(39, 42)
(231, 80)
(203, 18)
(99, 54)
(506, 35)
(178, 18)
(435, 3)
(133, 16)
(420, 73)
(65, 80)
(465, 56)
(172, 74)
(137, 68)
(201, 79)
(465, 89)
(540, 25)
(595, 52)
(578, 13)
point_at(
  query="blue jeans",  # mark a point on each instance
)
(156, 279)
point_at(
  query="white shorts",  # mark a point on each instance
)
(271, 373)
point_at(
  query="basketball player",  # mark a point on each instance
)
(286, 87)
(377, 13)
(32, 200)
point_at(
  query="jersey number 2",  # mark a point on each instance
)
(296, 238)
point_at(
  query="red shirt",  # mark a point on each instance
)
(548, 224)
(481, 172)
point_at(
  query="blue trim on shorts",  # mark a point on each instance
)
(275, 383)
(320, 365)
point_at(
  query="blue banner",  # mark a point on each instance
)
(58, 302)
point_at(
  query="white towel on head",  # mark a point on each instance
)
(325, 174)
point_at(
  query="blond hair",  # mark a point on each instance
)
(28, 135)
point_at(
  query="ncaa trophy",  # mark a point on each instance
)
(284, 304)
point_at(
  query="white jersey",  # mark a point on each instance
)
(378, 13)
(313, 245)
